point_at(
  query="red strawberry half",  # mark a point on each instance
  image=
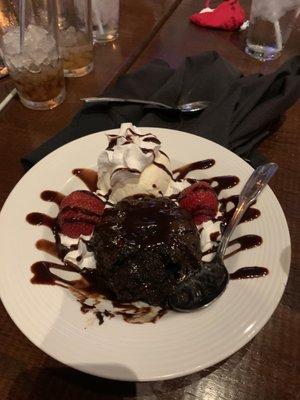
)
(79, 212)
(83, 199)
(200, 200)
(77, 215)
(75, 229)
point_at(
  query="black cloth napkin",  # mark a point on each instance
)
(243, 111)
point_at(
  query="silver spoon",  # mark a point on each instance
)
(185, 108)
(201, 288)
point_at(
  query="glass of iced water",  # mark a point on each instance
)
(33, 61)
(105, 18)
(75, 36)
(271, 23)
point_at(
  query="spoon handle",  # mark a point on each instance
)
(253, 187)
(119, 100)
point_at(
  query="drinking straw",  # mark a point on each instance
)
(7, 99)
(98, 19)
(22, 22)
(278, 35)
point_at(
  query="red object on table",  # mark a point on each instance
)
(228, 15)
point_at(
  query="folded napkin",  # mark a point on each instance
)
(243, 111)
(229, 15)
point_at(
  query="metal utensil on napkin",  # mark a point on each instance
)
(184, 108)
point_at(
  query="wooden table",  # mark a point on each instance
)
(269, 366)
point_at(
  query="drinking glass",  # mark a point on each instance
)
(105, 18)
(32, 58)
(75, 36)
(271, 23)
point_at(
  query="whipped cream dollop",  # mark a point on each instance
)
(134, 163)
(210, 234)
(78, 253)
(210, 229)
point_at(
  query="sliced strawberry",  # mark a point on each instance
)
(200, 218)
(77, 215)
(83, 199)
(200, 200)
(79, 212)
(75, 229)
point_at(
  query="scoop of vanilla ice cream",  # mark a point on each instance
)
(151, 180)
(134, 164)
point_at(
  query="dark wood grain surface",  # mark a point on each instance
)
(269, 366)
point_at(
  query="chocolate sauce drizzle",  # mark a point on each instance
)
(148, 137)
(147, 151)
(245, 242)
(163, 153)
(85, 308)
(41, 270)
(152, 139)
(37, 218)
(223, 182)
(136, 317)
(138, 134)
(52, 196)
(250, 214)
(214, 236)
(133, 314)
(164, 168)
(43, 276)
(112, 143)
(87, 176)
(249, 272)
(198, 165)
(48, 247)
(131, 170)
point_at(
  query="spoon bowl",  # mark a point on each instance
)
(201, 288)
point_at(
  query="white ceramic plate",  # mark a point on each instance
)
(176, 345)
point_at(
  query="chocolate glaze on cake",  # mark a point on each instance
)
(143, 247)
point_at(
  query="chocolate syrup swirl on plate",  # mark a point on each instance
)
(198, 165)
(54, 197)
(223, 182)
(250, 214)
(37, 218)
(88, 176)
(48, 247)
(44, 271)
(244, 242)
(249, 272)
